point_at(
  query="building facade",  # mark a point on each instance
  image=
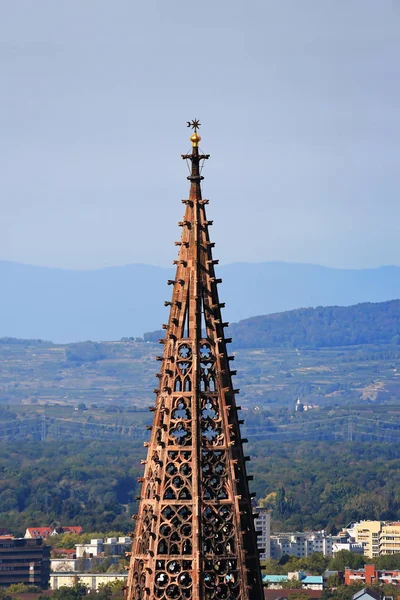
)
(350, 546)
(108, 547)
(377, 537)
(369, 575)
(311, 582)
(262, 523)
(305, 543)
(24, 561)
(44, 532)
(91, 580)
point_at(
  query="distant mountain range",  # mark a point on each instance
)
(107, 304)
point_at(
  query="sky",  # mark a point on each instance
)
(299, 105)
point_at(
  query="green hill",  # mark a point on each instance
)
(331, 326)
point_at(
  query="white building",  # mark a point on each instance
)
(351, 546)
(109, 547)
(263, 526)
(63, 565)
(303, 543)
(92, 581)
(94, 548)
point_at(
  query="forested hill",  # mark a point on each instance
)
(367, 323)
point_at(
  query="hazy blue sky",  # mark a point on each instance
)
(299, 102)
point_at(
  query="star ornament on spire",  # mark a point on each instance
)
(194, 124)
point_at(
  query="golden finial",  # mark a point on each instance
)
(195, 137)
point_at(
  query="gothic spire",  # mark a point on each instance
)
(195, 537)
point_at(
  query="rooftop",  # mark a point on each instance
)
(310, 579)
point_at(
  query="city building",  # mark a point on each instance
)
(38, 532)
(367, 533)
(64, 565)
(377, 537)
(91, 580)
(312, 582)
(389, 538)
(367, 594)
(303, 543)
(284, 594)
(44, 532)
(369, 575)
(262, 524)
(24, 560)
(97, 549)
(350, 546)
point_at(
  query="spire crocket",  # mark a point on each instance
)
(195, 536)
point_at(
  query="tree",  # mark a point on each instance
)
(343, 592)
(112, 589)
(316, 563)
(298, 596)
(333, 581)
(280, 503)
(387, 561)
(22, 588)
(273, 567)
(70, 593)
(294, 584)
(345, 558)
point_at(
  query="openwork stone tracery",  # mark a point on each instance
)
(194, 535)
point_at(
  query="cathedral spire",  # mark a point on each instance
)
(194, 535)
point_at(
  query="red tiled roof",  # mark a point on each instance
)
(61, 551)
(37, 532)
(73, 529)
(44, 532)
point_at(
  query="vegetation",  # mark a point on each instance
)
(68, 540)
(346, 592)
(307, 485)
(305, 472)
(330, 326)
(77, 592)
(61, 484)
(316, 564)
(40, 380)
(107, 591)
(325, 356)
(320, 485)
(22, 588)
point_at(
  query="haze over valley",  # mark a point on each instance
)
(108, 304)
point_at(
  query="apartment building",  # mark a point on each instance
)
(108, 547)
(92, 580)
(303, 543)
(367, 533)
(369, 575)
(24, 560)
(263, 525)
(96, 550)
(389, 539)
(377, 537)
